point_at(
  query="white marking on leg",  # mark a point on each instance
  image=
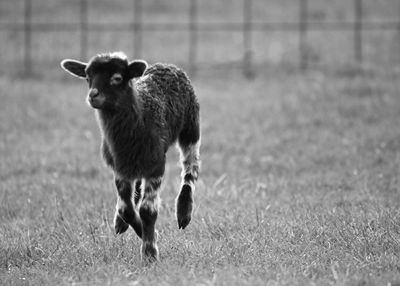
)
(151, 204)
(121, 205)
(141, 192)
(190, 159)
(151, 197)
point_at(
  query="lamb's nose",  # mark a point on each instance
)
(93, 92)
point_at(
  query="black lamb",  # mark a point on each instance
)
(139, 120)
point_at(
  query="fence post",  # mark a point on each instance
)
(193, 38)
(247, 40)
(303, 18)
(28, 38)
(137, 29)
(358, 10)
(397, 50)
(84, 29)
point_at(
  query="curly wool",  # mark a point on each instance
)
(167, 94)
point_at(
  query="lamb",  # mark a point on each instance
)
(141, 111)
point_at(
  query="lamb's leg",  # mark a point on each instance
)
(138, 191)
(125, 213)
(148, 213)
(190, 171)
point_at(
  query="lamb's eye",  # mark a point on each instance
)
(116, 79)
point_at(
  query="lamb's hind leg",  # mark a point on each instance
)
(190, 171)
(125, 214)
(138, 191)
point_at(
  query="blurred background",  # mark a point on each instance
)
(201, 35)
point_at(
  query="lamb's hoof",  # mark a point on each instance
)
(149, 252)
(120, 225)
(184, 205)
(182, 223)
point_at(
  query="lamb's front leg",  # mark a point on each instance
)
(125, 214)
(148, 213)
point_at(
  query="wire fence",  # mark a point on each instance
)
(246, 26)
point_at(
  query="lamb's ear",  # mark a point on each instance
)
(136, 68)
(74, 67)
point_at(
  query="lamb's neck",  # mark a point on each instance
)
(120, 127)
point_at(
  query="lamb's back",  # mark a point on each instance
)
(167, 96)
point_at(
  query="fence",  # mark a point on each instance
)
(246, 26)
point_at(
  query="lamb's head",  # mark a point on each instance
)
(109, 78)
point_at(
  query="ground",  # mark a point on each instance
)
(299, 186)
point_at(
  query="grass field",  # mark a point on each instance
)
(299, 186)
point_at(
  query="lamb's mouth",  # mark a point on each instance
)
(95, 102)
